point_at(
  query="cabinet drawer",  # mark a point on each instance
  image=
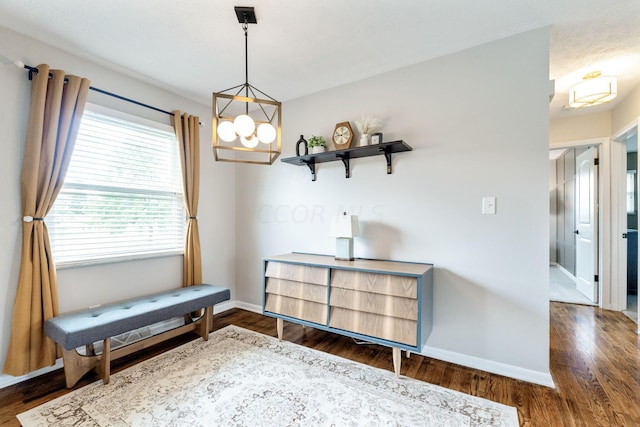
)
(298, 290)
(389, 328)
(298, 308)
(386, 284)
(298, 273)
(386, 305)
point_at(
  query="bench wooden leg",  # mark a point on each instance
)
(90, 350)
(205, 323)
(280, 327)
(105, 361)
(187, 319)
(75, 365)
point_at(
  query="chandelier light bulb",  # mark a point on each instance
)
(250, 141)
(244, 125)
(226, 131)
(266, 133)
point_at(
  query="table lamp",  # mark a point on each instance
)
(344, 228)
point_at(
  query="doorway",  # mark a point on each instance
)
(625, 150)
(573, 274)
(631, 190)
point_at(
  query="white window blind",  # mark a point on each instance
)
(122, 196)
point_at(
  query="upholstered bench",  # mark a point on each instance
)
(83, 328)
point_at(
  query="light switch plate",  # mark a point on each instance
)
(488, 205)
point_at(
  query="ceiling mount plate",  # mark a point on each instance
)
(247, 13)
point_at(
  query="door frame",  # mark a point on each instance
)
(618, 193)
(606, 292)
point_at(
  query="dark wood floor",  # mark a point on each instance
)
(595, 363)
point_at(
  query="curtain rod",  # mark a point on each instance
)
(32, 70)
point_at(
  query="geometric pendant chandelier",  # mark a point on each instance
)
(594, 89)
(246, 122)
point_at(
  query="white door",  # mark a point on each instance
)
(587, 224)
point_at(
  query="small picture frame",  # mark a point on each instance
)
(376, 138)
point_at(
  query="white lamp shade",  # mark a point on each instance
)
(266, 133)
(593, 91)
(226, 131)
(345, 226)
(250, 141)
(244, 125)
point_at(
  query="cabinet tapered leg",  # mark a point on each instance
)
(397, 360)
(280, 327)
(408, 354)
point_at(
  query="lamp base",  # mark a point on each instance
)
(344, 248)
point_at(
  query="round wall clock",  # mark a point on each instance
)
(342, 136)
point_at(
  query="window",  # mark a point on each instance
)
(122, 196)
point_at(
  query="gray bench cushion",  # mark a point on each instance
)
(76, 329)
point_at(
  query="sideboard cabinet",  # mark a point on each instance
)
(384, 302)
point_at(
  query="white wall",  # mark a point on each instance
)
(626, 112)
(581, 127)
(81, 287)
(478, 124)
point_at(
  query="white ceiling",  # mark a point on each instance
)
(195, 47)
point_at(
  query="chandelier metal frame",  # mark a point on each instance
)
(266, 108)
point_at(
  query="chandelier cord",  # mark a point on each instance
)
(245, 27)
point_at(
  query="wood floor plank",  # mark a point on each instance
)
(594, 359)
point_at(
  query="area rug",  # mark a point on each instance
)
(243, 378)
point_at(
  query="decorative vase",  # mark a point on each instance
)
(317, 149)
(365, 139)
(302, 143)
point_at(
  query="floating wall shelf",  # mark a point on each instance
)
(386, 149)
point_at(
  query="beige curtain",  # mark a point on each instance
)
(188, 136)
(54, 118)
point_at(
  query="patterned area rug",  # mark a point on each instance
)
(243, 378)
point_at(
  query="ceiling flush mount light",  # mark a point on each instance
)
(594, 89)
(246, 128)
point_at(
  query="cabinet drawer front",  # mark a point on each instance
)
(298, 273)
(385, 327)
(297, 290)
(300, 309)
(386, 305)
(401, 286)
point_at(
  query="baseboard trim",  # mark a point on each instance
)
(516, 372)
(528, 375)
(565, 271)
(223, 306)
(8, 380)
(536, 377)
(249, 307)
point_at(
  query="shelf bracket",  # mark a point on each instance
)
(345, 161)
(312, 168)
(388, 157)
